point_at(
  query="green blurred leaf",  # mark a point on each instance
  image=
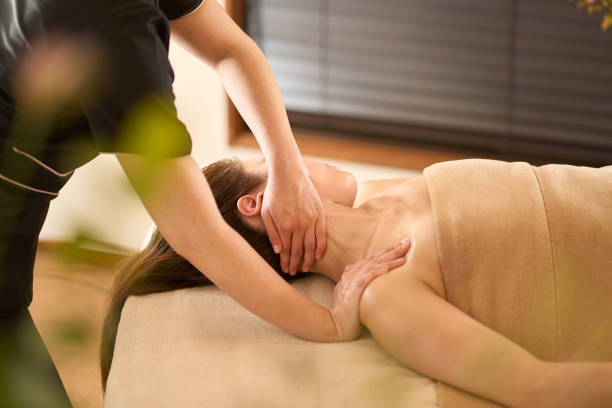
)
(72, 332)
(596, 6)
(607, 22)
(151, 128)
(71, 252)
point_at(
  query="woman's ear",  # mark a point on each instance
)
(250, 205)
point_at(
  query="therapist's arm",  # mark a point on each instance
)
(180, 201)
(292, 211)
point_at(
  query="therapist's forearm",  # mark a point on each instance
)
(211, 35)
(252, 87)
(279, 303)
(182, 205)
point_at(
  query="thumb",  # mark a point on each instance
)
(273, 234)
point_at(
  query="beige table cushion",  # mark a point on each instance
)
(198, 347)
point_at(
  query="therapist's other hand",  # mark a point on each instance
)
(347, 293)
(294, 218)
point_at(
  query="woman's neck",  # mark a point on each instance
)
(349, 238)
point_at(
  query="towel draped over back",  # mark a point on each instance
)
(527, 251)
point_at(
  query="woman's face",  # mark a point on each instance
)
(331, 183)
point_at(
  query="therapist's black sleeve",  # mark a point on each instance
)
(177, 8)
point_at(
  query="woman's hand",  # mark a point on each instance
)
(294, 218)
(347, 293)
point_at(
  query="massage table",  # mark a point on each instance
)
(197, 347)
(525, 250)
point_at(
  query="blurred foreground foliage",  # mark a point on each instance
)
(597, 6)
(86, 248)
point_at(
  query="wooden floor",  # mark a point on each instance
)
(70, 294)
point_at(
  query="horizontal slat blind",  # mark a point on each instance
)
(562, 76)
(289, 34)
(531, 70)
(372, 48)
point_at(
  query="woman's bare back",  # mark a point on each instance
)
(408, 213)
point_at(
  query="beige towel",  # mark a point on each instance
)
(527, 251)
(199, 348)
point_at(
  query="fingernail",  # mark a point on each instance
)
(405, 241)
(276, 249)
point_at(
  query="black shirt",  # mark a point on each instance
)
(135, 77)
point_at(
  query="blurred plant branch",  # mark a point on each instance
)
(596, 6)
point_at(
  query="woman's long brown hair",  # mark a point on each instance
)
(157, 268)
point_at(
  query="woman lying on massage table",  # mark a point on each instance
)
(406, 309)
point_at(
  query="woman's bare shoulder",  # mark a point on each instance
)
(395, 286)
(372, 188)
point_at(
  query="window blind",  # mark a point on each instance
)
(493, 74)
(562, 87)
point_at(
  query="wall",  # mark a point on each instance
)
(99, 201)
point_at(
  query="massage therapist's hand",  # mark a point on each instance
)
(294, 218)
(347, 293)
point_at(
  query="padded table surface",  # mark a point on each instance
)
(198, 347)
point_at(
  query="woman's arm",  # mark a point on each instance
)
(179, 200)
(292, 210)
(574, 384)
(430, 335)
(211, 35)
